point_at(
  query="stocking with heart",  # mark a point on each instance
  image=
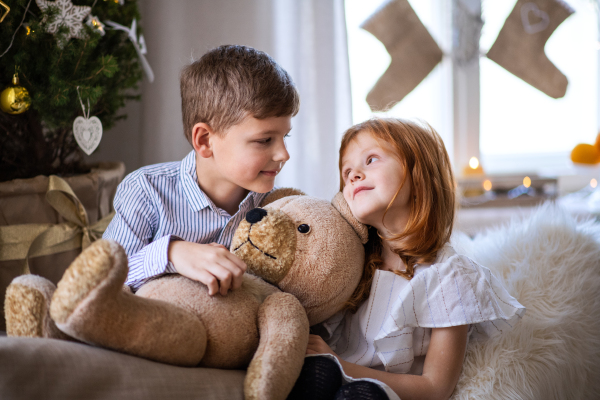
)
(519, 47)
(87, 131)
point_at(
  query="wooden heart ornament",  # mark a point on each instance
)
(88, 133)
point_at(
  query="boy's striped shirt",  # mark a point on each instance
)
(162, 202)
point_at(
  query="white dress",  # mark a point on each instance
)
(391, 330)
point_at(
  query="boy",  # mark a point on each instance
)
(180, 217)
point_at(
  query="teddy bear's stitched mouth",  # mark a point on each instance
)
(248, 240)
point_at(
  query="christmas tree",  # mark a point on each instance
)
(66, 58)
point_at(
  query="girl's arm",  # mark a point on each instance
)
(442, 368)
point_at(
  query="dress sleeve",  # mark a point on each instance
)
(454, 292)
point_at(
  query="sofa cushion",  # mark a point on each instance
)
(32, 368)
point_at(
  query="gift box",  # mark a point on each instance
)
(46, 221)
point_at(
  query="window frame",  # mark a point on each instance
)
(466, 107)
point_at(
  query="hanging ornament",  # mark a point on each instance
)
(413, 51)
(138, 43)
(6, 10)
(87, 131)
(95, 24)
(15, 99)
(520, 45)
(68, 15)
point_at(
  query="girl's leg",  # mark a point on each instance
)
(361, 390)
(319, 379)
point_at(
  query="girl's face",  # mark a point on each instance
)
(372, 174)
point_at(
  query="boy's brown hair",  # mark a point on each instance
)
(422, 153)
(231, 82)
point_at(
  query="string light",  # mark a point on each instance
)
(487, 185)
(527, 181)
(593, 183)
(474, 163)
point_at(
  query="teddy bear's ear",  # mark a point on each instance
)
(281, 193)
(361, 229)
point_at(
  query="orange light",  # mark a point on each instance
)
(593, 183)
(487, 185)
(527, 181)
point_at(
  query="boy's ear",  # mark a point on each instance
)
(201, 135)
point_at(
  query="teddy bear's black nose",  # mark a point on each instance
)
(255, 215)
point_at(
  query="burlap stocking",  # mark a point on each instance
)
(519, 47)
(414, 53)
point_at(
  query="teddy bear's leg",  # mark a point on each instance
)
(26, 308)
(90, 305)
(284, 331)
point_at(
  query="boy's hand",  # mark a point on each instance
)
(212, 264)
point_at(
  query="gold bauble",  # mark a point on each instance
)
(15, 99)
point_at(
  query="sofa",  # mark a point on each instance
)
(549, 260)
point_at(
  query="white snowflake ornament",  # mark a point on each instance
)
(68, 15)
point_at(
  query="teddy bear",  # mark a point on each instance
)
(304, 259)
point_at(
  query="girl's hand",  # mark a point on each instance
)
(316, 345)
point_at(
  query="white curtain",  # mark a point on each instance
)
(310, 43)
(306, 37)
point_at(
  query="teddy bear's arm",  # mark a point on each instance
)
(283, 327)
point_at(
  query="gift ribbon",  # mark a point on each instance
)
(21, 242)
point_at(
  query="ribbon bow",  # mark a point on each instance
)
(20, 242)
(138, 44)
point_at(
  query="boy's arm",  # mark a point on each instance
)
(134, 226)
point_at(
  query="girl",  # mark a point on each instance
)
(406, 328)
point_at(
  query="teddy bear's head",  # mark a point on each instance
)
(305, 246)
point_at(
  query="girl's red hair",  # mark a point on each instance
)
(422, 153)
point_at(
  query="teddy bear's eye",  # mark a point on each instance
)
(304, 228)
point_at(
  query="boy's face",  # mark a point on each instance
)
(250, 154)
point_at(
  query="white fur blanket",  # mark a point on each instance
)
(550, 263)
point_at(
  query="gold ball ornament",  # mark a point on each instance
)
(15, 99)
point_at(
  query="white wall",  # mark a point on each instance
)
(308, 38)
(176, 32)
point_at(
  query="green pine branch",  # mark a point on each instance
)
(105, 68)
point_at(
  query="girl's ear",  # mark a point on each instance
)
(339, 203)
(281, 193)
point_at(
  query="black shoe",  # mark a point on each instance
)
(361, 390)
(319, 379)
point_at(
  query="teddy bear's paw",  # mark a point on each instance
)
(102, 266)
(26, 308)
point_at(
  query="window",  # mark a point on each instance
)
(522, 124)
(517, 128)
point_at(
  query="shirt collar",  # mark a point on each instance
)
(198, 200)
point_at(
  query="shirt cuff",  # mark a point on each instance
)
(156, 259)
(170, 268)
